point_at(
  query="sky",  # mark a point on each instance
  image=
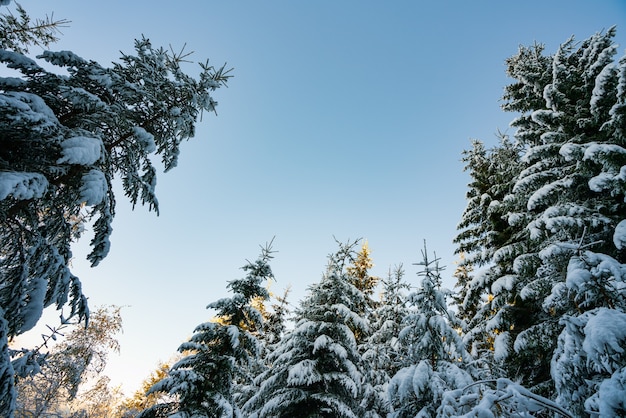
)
(344, 120)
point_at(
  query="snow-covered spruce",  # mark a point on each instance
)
(316, 369)
(63, 139)
(218, 355)
(590, 358)
(434, 351)
(382, 351)
(567, 193)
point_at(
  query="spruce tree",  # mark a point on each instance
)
(359, 276)
(483, 226)
(68, 127)
(563, 201)
(219, 353)
(568, 186)
(433, 349)
(358, 272)
(382, 351)
(316, 370)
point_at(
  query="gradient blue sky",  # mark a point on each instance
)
(344, 119)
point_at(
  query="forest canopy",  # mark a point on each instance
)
(536, 324)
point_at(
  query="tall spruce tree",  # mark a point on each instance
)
(68, 127)
(568, 187)
(316, 370)
(433, 349)
(358, 273)
(483, 227)
(219, 353)
(563, 201)
(359, 276)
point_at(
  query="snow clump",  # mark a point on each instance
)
(145, 139)
(94, 188)
(619, 236)
(81, 150)
(22, 186)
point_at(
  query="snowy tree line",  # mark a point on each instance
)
(540, 301)
(348, 354)
(536, 326)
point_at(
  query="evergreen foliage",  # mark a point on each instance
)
(219, 353)
(484, 229)
(589, 361)
(275, 321)
(141, 400)
(493, 172)
(540, 297)
(316, 370)
(17, 33)
(269, 337)
(358, 272)
(382, 352)
(64, 138)
(564, 139)
(541, 286)
(433, 348)
(498, 398)
(565, 185)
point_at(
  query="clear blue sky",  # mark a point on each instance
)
(344, 118)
